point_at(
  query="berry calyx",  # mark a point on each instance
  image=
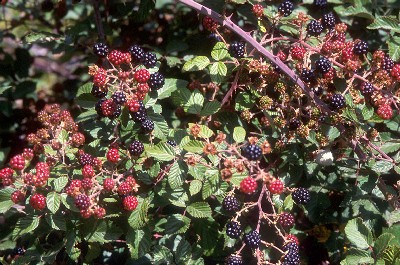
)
(38, 201)
(130, 203)
(301, 196)
(248, 185)
(276, 187)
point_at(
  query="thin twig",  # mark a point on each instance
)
(97, 18)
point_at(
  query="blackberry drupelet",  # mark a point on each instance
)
(156, 81)
(136, 148)
(137, 53)
(233, 260)
(387, 64)
(237, 49)
(360, 48)
(233, 229)
(367, 89)
(301, 196)
(328, 20)
(291, 247)
(252, 152)
(314, 28)
(337, 102)
(119, 97)
(147, 125)
(285, 8)
(294, 124)
(230, 204)
(307, 76)
(101, 49)
(252, 239)
(291, 258)
(149, 60)
(98, 92)
(320, 3)
(323, 65)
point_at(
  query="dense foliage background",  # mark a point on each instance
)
(214, 104)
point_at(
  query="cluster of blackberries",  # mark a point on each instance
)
(252, 152)
(233, 229)
(147, 125)
(233, 260)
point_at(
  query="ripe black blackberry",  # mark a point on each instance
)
(252, 239)
(117, 112)
(328, 20)
(252, 152)
(237, 49)
(233, 229)
(291, 247)
(230, 204)
(294, 124)
(320, 3)
(137, 53)
(97, 107)
(147, 125)
(233, 260)
(136, 148)
(318, 91)
(101, 49)
(171, 143)
(360, 48)
(156, 81)
(367, 89)
(337, 102)
(387, 64)
(301, 196)
(18, 251)
(85, 159)
(286, 8)
(119, 97)
(307, 76)
(98, 92)
(314, 28)
(82, 201)
(140, 115)
(149, 60)
(291, 258)
(323, 65)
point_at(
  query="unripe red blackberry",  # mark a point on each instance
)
(286, 219)
(298, 52)
(6, 173)
(285, 8)
(82, 202)
(147, 125)
(17, 162)
(113, 155)
(133, 105)
(233, 229)
(87, 171)
(28, 154)
(17, 196)
(131, 181)
(116, 57)
(258, 10)
(252, 239)
(248, 185)
(130, 203)
(99, 213)
(109, 108)
(395, 72)
(136, 148)
(385, 111)
(78, 139)
(38, 201)
(100, 79)
(292, 238)
(124, 188)
(301, 196)
(230, 204)
(142, 75)
(276, 187)
(210, 24)
(108, 184)
(86, 213)
(100, 49)
(87, 184)
(314, 28)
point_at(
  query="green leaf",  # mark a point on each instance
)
(84, 98)
(138, 218)
(382, 242)
(288, 203)
(176, 175)
(87, 115)
(59, 183)
(359, 11)
(56, 221)
(218, 72)
(194, 146)
(177, 224)
(199, 210)
(161, 152)
(26, 225)
(53, 201)
(161, 127)
(63, 137)
(170, 86)
(386, 23)
(162, 255)
(358, 234)
(42, 37)
(139, 242)
(394, 48)
(382, 166)
(196, 64)
(394, 217)
(390, 147)
(5, 199)
(219, 51)
(195, 103)
(239, 134)
(195, 187)
(367, 112)
(210, 108)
